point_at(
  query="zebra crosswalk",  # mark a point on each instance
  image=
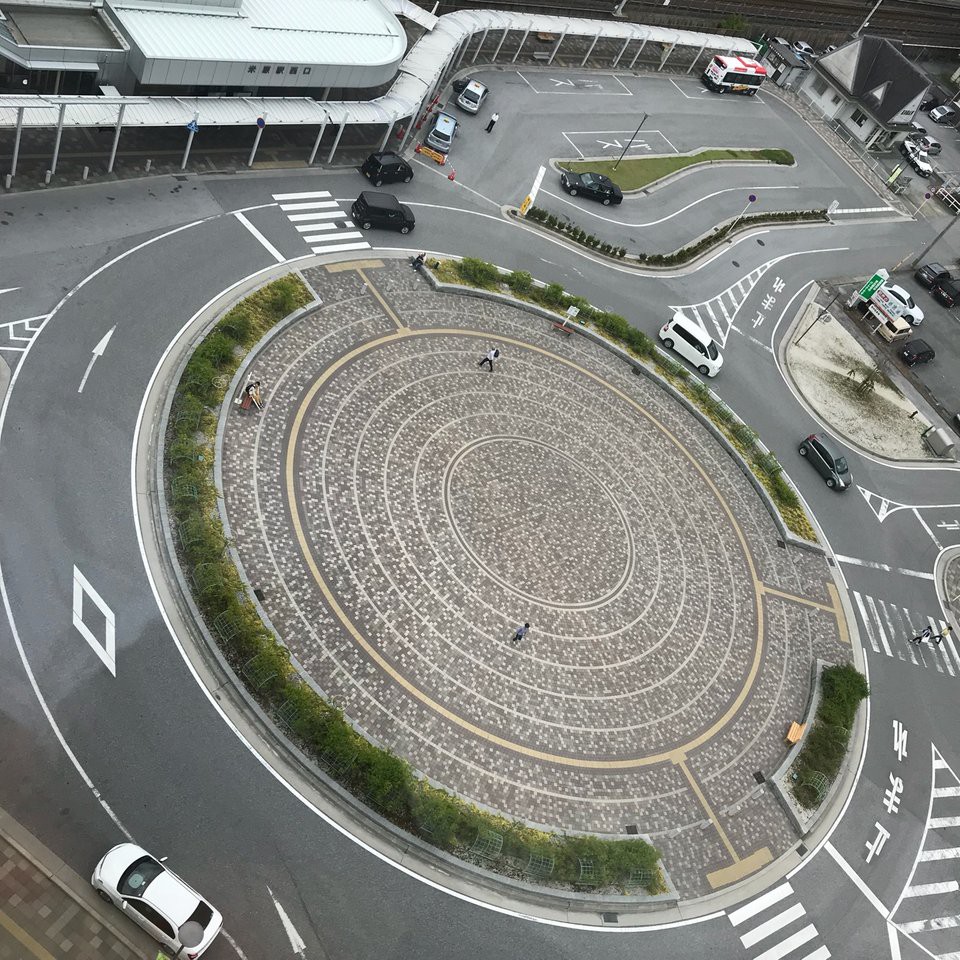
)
(320, 221)
(889, 627)
(928, 909)
(775, 924)
(720, 311)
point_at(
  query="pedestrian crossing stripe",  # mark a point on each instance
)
(320, 221)
(761, 934)
(735, 296)
(889, 628)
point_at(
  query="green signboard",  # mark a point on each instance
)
(873, 284)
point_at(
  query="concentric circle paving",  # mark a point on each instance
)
(403, 511)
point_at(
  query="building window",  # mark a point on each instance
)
(819, 86)
(306, 69)
(252, 68)
(279, 70)
(858, 117)
(293, 70)
(265, 70)
(835, 99)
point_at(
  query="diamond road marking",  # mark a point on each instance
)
(107, 650)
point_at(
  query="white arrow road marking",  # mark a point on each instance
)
(97, 352)
(562, 83)
(296, 941)
(106, 651)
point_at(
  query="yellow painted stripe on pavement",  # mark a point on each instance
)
(15, 930)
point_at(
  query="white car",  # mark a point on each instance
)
(917, 158)
(911, 312)
(803, 48)
(156, 899)
(693, 343)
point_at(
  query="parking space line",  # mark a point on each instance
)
(527, 82)
(572, 144)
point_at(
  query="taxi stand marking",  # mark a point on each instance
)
(891, 796)
(107, 650)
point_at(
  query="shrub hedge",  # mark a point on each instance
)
(764, 464)
(684, 254)
(382, 780)
(842, 688)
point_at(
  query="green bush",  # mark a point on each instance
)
(479, 272)
(552, 294)
(520, 282)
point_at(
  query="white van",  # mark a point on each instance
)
(443, 132)
(693, 343)
(472, 97)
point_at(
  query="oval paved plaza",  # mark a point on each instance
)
(403, 511)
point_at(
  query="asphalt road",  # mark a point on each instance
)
(175, 777)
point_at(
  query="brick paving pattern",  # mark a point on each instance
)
(35, 907)
(443, 506)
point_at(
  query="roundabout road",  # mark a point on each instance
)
(164, 764)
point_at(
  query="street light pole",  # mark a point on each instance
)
(628, 144)
(866, 21)
(751, 199)
(933, 242)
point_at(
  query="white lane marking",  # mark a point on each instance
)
(894, 939)
(652, 223)
(930, 889)
(233, 943)
(339, 235)
(771, 897)
(948, 643)
(856, 561)
(821, 953)
(308, 217)
(527, 82)
(98, 351)
(329, 225)
(106, 650)
(334, 247)
(772, 925)
(933, 923)
(923, 524)
(293, 935)
(781, 949)
(261, 239)
(942, 823)
(309, 195)
(8, 289)
(537, 180)
(858, 882)
(943, 853)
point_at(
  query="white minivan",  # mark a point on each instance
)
(693, 343)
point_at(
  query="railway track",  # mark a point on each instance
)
(931, 23)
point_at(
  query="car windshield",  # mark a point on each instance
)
(589, 180)
(712, 351)
(440, 135)
(138, 876)
(472, 95)
(841, 465)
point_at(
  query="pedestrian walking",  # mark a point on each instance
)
(520, 634)
(489, 357)
(925, 634)
(492, 122)
(938, 638)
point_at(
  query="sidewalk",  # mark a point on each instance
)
(48, 912)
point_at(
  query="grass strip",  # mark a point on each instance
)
(376, 776)
(634, 173)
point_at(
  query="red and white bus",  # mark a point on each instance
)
(738, 74)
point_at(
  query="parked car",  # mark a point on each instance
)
(803, 48)
(821, 455)
(593, 185)
(473, 96)
(461, 84)
(386, 167)
(926, 143)
(930, 101)
(947, 291)
(930, 273)
(911, 312)
(916, 351)
(155, 898)
(382, 210)
(693, 343)
(947, 113)
(916, 157)
(830, 49)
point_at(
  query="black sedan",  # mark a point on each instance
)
(932, 273)
(593, 185)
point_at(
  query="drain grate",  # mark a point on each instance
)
(610, 917)
(802, 850)
(781, 544)
(259, 594)
(632, 828)
(759, 777)
(181, 179)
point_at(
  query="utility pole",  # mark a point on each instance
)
(629, 143)
(866, 22)
(933, 242)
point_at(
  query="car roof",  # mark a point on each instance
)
(374, 199)
(825, 442)
(118, 858)
(949, 282)
(934, 267)
(693, 327)
(172, 897)
(917, 345)
(476, 86)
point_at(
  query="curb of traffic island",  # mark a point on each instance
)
(669, 178)
(743, 225)
(641, 369)
(949, 599)
(253, 725)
